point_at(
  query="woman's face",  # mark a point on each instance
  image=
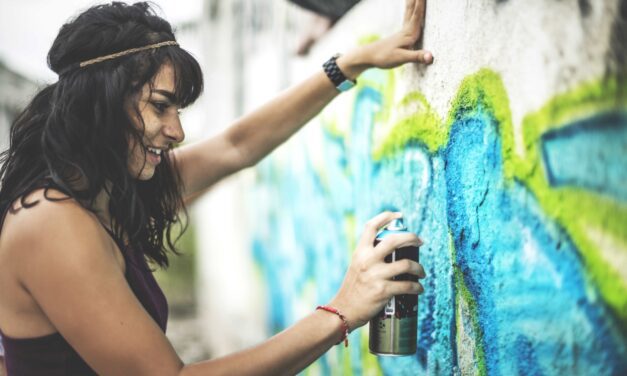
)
(162, 126)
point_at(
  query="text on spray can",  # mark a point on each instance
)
(393, 331)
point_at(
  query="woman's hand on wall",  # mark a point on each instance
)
(392, 51)
(368, 283)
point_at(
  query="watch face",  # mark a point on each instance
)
(346, 85)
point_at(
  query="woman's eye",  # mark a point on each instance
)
(160, 106)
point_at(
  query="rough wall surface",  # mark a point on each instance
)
(507, 156)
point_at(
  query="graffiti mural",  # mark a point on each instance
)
(526, 251)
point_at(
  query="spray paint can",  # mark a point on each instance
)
(393, 330)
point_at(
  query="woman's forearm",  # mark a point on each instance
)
(287, 353)
(261, 131)
(258, 133)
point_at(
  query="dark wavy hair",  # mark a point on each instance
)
(74, 135)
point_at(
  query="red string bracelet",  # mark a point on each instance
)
(344, 322)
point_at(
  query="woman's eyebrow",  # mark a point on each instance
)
(168, 94)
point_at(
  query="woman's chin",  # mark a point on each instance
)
(146, 174)
(145, 177)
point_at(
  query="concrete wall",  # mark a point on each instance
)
(507, 156)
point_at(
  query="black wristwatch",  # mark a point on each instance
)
(341, 82)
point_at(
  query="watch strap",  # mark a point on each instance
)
(335, 74)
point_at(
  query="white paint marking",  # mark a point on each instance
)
(611, 250)
(533, 259)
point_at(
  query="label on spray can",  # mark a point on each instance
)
(393, 331)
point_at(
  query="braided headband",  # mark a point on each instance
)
(117, 54)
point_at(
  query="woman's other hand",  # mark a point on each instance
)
(368, 283)
(392, 51)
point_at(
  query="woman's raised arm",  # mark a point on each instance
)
(255, 135)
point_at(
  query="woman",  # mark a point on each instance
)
(91, 188)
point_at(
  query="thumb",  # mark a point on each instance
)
(417, 56)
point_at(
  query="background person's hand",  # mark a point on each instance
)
(368, 284)
(394, 50)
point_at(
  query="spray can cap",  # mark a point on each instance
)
(396, 224)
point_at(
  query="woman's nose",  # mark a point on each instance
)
(174, 130)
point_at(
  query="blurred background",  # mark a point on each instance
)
(507, 156)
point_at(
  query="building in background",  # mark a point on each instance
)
(248, 54)
(15, 91)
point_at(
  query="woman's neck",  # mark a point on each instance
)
(101, 206)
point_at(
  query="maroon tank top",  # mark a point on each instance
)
(52, 355)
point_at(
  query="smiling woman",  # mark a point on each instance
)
(91, 188)
(158, 119)
(79, 159)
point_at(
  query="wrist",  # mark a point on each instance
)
(352, 64)
(349, 315)
(343, 328)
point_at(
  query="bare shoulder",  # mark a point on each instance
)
(41, 201)
(49, 221)
(65, 278)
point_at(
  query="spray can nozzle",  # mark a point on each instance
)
(396, 224)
